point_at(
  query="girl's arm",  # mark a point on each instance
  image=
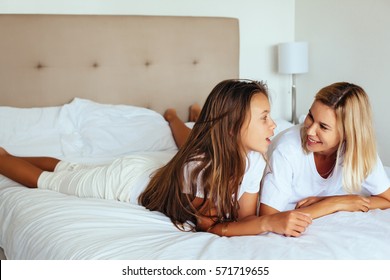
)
(292, 223)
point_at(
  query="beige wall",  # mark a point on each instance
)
(349, 40)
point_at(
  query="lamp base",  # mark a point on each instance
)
(294, 118)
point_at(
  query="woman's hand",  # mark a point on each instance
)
(290, 223)
(336, 203)
(308, 201)
(349, 203)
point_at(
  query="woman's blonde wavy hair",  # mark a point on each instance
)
(215, 143)
(354, 123)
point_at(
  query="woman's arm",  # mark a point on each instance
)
(380, 201)
(321, 206)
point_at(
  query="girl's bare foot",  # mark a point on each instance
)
(194, 112)
(170, 114)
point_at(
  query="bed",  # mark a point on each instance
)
(91, 89)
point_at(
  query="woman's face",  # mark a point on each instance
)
(258, 126)
(322, 133)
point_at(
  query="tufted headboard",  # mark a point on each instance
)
(151, 61)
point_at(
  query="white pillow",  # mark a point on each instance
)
(32, 131)
(105, 129)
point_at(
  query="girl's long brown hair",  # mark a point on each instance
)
(214, 143)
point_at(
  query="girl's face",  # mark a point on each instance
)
(258, 126)
(322, 134)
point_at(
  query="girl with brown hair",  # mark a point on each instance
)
(212, 183)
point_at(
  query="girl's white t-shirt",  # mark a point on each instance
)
(255, 166)
(292, 175)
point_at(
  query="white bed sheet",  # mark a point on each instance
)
(43, 224)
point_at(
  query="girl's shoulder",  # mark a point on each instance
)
(256, 159)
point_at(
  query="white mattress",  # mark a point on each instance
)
(43, 224)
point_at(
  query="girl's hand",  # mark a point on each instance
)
(207, 221)
(204, 223)
(290, 223)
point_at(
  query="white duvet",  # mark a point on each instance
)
(44, 224)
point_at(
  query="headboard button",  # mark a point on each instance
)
(39, 65)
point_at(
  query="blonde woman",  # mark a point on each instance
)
(329, 163)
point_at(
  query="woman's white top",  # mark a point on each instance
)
(292, 175)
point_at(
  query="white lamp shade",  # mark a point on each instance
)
(293, 58)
